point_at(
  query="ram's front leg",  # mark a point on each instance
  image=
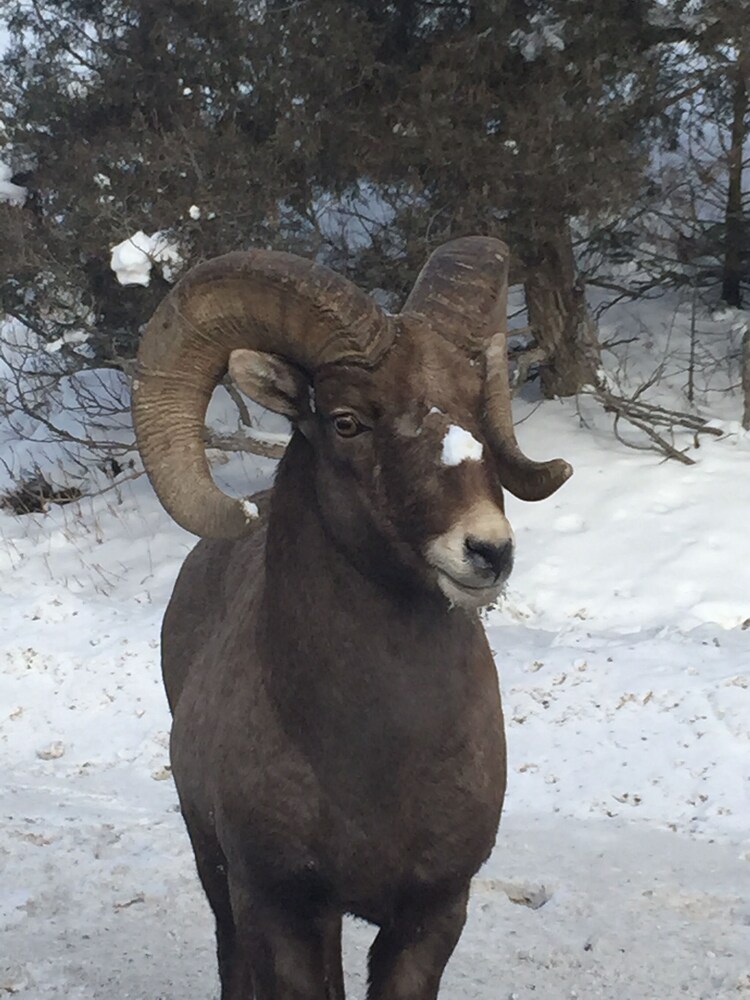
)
(409, 955)
(284, 952)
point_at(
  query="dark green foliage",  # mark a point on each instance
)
(417, 121)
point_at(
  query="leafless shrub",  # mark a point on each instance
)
(34, 494)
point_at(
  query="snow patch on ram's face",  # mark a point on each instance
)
(250, 510)
(460, 445)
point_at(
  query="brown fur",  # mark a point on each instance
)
(338, 740)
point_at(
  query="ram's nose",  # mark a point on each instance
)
(490, 559)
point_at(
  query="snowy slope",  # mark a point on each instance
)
(625, 670)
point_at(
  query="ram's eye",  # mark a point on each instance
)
(347, 425)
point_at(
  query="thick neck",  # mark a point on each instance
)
(361, 676)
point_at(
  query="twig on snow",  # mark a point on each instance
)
(647, 417)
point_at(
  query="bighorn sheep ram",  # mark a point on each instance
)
(338, 740)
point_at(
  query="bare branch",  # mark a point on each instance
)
(647, 417)
(609, 345)
(239, 402)
(525, 359)
(265, 445)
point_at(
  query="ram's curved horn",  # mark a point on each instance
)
(462, 291)
(524, 478)
(261, 300)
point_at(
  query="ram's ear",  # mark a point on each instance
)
(271, 381)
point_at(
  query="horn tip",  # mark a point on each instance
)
(558, 473)
(564, 469)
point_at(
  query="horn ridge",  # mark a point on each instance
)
(262, 300)
(462, 293)
(462, 290)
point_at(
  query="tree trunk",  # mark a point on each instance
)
(731, 290)
(559, 317)
(746, 380)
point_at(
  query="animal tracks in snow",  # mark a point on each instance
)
(730, 704)
(639, 731)
(569, 523)
(667, 501)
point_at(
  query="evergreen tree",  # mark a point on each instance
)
(364, 133)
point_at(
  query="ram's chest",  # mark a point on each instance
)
(435, 823)
(385, 787)
(362, 821)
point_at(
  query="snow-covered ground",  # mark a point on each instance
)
(622, 866)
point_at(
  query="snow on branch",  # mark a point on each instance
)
(11, 193)
(133, 259)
